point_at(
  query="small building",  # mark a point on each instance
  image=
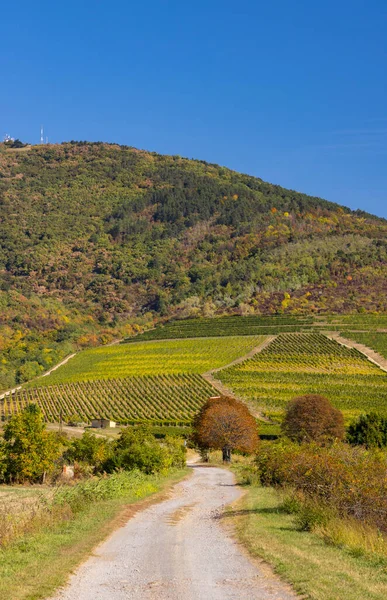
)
(102, 423)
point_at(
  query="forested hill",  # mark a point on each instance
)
(97, 240)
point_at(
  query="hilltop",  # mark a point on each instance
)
(98, 241)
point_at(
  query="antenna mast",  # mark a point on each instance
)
(41, 135)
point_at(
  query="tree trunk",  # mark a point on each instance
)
(226, 454)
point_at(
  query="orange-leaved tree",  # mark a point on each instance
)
(313, 418)
(226, 424)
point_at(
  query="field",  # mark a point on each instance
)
(225, 326)
(375, 340)
(296, 364)
(157, 382)
(160, 399)
(161, 381)
(262, 325)
(158, 358)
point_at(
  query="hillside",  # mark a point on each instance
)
(99, 241)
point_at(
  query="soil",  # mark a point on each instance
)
(178, 549)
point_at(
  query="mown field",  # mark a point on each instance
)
(296, 364)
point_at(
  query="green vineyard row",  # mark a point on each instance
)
(260, 325)
(151, 358)
(375, 340)
(158, 399)
(296, 364)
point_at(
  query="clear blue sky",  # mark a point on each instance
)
(294, 92)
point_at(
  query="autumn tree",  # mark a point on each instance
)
(313, 418)
(30, 450)
(226, 424)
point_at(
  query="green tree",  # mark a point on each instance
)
(89, 449)
(368, 430)
(30, 450)
(137, 448)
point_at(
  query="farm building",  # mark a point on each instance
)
(102, 423)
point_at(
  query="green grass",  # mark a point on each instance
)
(318, 571)
(36, 565)
(151, 358)
(297, 364)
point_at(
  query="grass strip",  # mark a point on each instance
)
(36, 565)
(316, 570)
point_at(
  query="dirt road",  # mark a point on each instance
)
(177, 550)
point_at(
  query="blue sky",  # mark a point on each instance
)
(293, 92)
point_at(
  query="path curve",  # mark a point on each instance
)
(19, 387)
(225, 390)
(177, 550)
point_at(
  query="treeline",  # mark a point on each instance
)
(98, 240)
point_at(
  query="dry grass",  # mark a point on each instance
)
(359, 538)
(317, 570)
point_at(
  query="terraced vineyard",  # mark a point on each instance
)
(375, 340)
(160, 399)
(295, 364)
(152, 358)
(152, 381)
(264, 325)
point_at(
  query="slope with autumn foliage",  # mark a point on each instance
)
(98, 241)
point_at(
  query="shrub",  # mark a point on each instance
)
(351, 481)
(90, 450)
(137, 448)
(30, 451)
(313, 418)
(369, 430)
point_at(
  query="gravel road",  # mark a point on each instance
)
(177, 550)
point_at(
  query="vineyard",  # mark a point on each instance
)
(225, 326)
(151, 358)
(295, 364)
(152, 381)
(375, 340)
(261, 325)
(160, 381)
(160, 399)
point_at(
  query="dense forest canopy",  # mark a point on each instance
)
(99, 240)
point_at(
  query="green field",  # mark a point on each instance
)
(159, 399)
(296, 364)
(263, 325)
(156, 358)
(158, 382)
(375, 340)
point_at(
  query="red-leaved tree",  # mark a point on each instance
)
(313, 418)
(226, 424)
